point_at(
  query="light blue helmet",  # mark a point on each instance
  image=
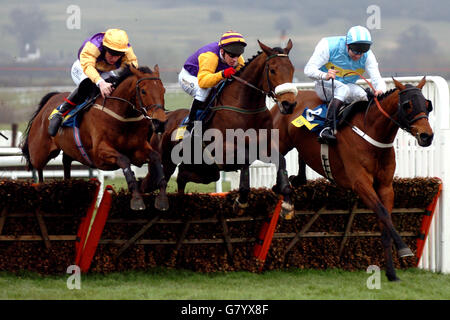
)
(358, 34)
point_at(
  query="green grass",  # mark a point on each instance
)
(181, 284)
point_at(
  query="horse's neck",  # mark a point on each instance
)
(242, 95)
(124, 92)
(378, 123)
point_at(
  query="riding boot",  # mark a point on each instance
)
(56, 117)
(196, 105)
(327, 134)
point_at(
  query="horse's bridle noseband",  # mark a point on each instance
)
(142, 109)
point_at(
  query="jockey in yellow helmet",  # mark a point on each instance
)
(103, 52)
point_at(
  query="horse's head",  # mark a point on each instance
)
(150, 96)
(413, 110)
(279, 73)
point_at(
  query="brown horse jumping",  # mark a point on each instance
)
(114, 132)
(363, 159)
(239, 108)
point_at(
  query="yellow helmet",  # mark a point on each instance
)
(116, 39)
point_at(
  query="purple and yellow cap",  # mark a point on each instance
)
(232, 42)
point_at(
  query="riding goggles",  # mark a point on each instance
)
(359, 48)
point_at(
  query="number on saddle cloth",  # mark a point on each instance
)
(312, 119)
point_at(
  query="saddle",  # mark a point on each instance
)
(204, 115)
(314, 119)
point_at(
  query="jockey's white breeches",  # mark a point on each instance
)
(347, 92)
(189, 84)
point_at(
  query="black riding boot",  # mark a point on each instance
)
(327, 134)
(196, 105)
(56, 116)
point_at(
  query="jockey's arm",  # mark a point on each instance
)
(319, 58)
(88, 59)
(374, 74)
(207, 65)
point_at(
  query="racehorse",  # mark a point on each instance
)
(363, 159)
(240, 105)
(114, 132)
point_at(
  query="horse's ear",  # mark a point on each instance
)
(156, 68)
(398, 84)
(422, 83)
(288, 47)
(267, 50)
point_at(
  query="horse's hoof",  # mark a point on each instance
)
(162, 202)
(287, 211)
(296, 181)
(137, 204)
(405, 252)
(239, 208)
(393, 278)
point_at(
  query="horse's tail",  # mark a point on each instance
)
(24, 142)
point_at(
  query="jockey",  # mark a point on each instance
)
(103, 52)
(208, 66)
(334, 58)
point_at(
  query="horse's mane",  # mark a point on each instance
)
(385, 94)
(145, 69)
(277, 49)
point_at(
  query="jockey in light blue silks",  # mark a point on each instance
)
(334, 58)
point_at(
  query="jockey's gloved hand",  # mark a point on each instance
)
(227, 73)
(105, 88)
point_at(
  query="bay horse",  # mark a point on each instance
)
(114, 132)
(239, 108)
(363, 159)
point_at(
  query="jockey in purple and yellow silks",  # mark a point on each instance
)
(339, 58)
(101, 53)
(208, 66)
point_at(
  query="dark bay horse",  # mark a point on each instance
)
(238, 109)
(114, 132)
(363, 159)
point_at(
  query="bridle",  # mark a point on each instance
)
(405, 98)
(271, 91)
(142, 109)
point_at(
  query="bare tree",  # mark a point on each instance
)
(27, 25)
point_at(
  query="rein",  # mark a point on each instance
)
(142, 109)
(270, 93)
(409, 122)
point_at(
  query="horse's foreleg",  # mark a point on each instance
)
(285, 189)
(67, 163)
(373, 201)
(137, 203)
(159, 180)
(300, 178)
(241, 203)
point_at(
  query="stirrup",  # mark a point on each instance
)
(327, 136)
(55, 123)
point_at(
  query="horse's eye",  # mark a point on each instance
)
(272, 71)
(143, 91)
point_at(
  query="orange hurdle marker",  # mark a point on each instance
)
(426, 222)
(266, 233)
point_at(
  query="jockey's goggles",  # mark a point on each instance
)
(359, 48)
(232, 55)
(115, 53)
